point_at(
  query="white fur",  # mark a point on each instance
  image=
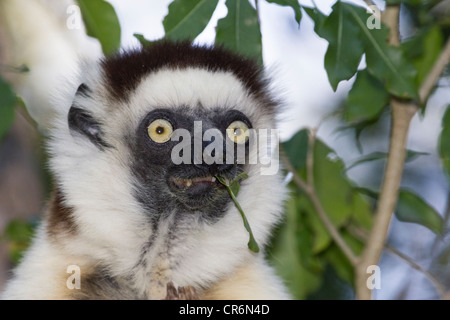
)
(112, 228)
(36, 34)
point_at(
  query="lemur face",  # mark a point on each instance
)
(173, 102)
(171, 147)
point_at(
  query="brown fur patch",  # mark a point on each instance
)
(60, 216)
(126, 69)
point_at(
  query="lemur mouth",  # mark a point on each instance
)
(200, 192)
(201, 182)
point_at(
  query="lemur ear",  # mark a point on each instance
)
(81, 121)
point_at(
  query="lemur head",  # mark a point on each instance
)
(116, 152)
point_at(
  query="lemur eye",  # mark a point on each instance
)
(238, 132)
(160, 130)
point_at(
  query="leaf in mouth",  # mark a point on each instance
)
(233, 189)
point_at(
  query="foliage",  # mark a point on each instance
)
(102, 23)
(17, 236)
(7, 104)
(303, 250)
(233, 189)
(187, 18)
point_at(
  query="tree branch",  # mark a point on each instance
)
(310, 192)
(370, 3)
(433, 76)
(401, 116)
(440, 288)
(390, 17)
(402, 112)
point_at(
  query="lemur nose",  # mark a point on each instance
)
(214, 168)
(209, 162)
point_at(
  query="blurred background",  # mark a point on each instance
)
(295, 58)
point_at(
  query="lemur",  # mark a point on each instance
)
(130, 218)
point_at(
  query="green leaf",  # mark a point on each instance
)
(252, 244)
(335, 191)
(385, 62)
(321, 236)
(144, 42)
(423, 49)
(101, 23)
(335, 257)
(411, 155)
(318, 18)
(366, 99)
(188, 18)
(362, 214)
(7, 104)
(331, 185)
(234, 185)
(293, 4)
(18, 234)
(288, 253)
(239, 30)
(444, 143)
(359, 127)
(368, 192)
(296, 148)
(312, 234)
(241, 176)
(345, 48)
(412, 208)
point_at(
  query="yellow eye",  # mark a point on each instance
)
(160, 130)
(238, 132)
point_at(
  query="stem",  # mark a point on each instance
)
(310, 192)
(310, 157)
(370, 3)
(433, 76)
(442, 236)
(391, 179)
(391, 17)
(440, 288)
(252, 244)
(402, 114)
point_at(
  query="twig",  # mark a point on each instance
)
(425, 91)
(401, 116)
(433, 76)
(310, 157)
(402, 113)
(445, 224)
(441, 290)
(310, 192)
(22, 112)
(437, 285)
(370, 3)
